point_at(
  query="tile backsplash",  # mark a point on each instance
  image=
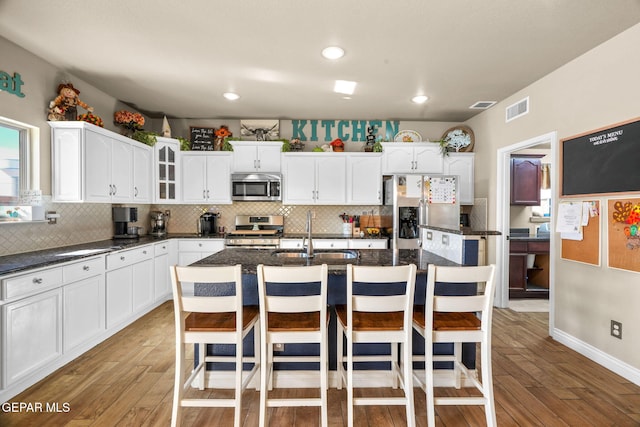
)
(90, 222)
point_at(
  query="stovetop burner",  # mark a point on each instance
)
(254, 231)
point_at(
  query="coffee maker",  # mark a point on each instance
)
(159, 222)
(122, 217)
(207, 223)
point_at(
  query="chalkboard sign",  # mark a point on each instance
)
(202, 139)
(603, 161)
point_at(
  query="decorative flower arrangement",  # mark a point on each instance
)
(337, 145)
(128, 119)
(91, 118)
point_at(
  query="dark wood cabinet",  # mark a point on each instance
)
(524, 281)
(526, 179)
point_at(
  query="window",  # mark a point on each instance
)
(15, 160)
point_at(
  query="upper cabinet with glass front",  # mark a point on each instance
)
(167, 165)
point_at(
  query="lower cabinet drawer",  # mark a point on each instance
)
(211, 246)
(124, 258)
(83, 269)
(31, 282)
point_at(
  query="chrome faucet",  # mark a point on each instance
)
(309, 227)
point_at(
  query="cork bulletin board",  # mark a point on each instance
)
(586, 250)
(624, 234)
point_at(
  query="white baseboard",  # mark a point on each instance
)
(619, 367)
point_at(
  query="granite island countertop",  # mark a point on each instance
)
(250, 258)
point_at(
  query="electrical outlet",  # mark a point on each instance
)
(616, 329)
(278, 347)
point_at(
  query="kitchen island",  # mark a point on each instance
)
(337, 294)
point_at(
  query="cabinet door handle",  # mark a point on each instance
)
(144, 252)
(259, 165)
(207, 194)
(122, 258)
(86, 268)
(135, 191)
(204, 194)
(115, 189)
(37, 280)
(255, 164)
(200, 244)
(110, 189)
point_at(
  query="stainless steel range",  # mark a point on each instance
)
(252, 231)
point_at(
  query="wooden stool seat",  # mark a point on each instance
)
(372, 321)
(309, 321)
(455, 321)
(220, 322)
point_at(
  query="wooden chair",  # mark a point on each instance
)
(287, 316)
(211, 319)
(457, 320)
(378, 319)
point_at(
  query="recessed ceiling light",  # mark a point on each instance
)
(344, 86)
(420, 99)
(231, 96)
(333, 52)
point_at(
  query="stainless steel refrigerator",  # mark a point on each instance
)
(421, 200)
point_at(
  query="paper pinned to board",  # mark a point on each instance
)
(569, 217)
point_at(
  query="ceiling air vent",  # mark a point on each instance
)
(482, 105)
(518, 109)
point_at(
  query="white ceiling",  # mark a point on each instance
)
(177, 57)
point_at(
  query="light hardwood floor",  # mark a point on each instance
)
(128, 381)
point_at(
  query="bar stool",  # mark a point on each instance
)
(453, 319)
(291, 312)
(206, 320)
(378, 319)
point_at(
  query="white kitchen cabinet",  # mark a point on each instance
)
(314, 178)
(364, 179)
(415, 157)
(142, 173)
(256, 156)
(162, 280)
(192, 250)
(289, 243)
(206, 177)
(129, 283)
(368, 243)
(462, 165)
(166, 170)
(31, 335)
(83, 303)
(330, 243)
(92, 164)
(108, 175)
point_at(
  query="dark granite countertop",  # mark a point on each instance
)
(465, 231)
(250, 258)
(37, 259)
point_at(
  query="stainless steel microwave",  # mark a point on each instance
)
(256, 186)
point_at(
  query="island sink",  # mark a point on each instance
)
(335, 254)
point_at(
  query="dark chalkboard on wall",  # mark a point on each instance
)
(602, 161)
(202, 138)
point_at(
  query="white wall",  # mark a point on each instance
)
(598, 89)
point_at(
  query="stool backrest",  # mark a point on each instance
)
(482, 302)
(287, 302)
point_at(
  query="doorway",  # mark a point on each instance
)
(503, 215)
